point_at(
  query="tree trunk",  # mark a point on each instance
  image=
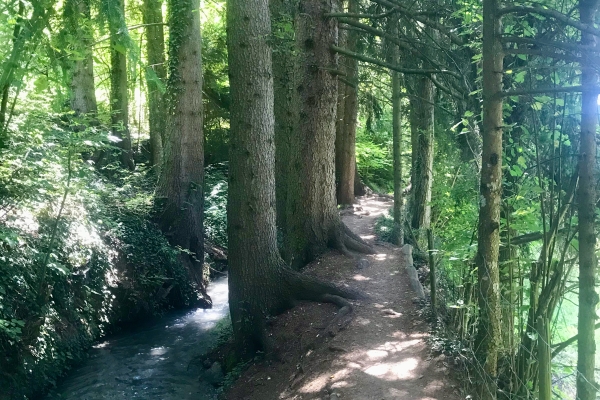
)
(488, 340)
(313, 223)
(119, 98)
(286, 115)
(259, 282)
(588, 298)
(81, 70)
(422, 126)
(394, 52)
(155, 77)
(179, 191)
(339, 117)
(347, 143)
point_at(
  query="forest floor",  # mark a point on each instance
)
(381, 354)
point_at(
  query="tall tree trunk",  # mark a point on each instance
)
(422, 126)
(339, 117)
(260, 284)
(253, 255)
(81, 70)
(179, 193)
(588, 298)
(313, 223)
(286, 115)
(394, 53)
(488, 340)
(347, 143)
(119, 98)
(155, 77)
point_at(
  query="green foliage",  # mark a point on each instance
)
(215, 203)
(79, 253)
(384, 227)
(374, 164)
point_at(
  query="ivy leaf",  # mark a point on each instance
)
(520, 76)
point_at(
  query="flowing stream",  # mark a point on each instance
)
(152, 362)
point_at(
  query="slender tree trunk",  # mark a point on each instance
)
(312, 220)
(544, 360)
(119, 97)
(339, 117)
(260, 284)
(394, 52)
(422, 126)
(179, 191)
(155, 77)
(488, 340)
(588, 298)
(83, 88)
(347, 143)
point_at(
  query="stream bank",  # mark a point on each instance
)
(154, 361)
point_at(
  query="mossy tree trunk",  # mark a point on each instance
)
(260, 283)
(488, 340)
(155, 77)
(179, 192)
(119, 97)
(588, 298)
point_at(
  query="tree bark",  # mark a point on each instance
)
(260, 284)
(347, 143)
(488, 340)
(286, 115)
(313, 223)
(119, 98)
(155, 77)
(179, 192)
(586, 208)
(81, 70)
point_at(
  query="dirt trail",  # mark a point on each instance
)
(380, 354)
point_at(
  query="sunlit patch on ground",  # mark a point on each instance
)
(394, 371)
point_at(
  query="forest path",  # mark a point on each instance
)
(381, 354)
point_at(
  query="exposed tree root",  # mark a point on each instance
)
(347, 240)
(344, 315)
(304, 287)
